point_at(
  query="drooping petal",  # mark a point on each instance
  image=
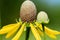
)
(13, 31)
(8, 28)
(19, 32)
(35, 32)
(51, 33)
(38, 25)
(40, 32)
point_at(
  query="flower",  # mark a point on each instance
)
(51, 33)
(36, 29)
(36, 26)
(42, 17)
(12, 28)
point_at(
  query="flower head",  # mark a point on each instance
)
(28, 15)
(28, 11)
(42, 17)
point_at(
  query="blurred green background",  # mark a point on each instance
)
(10, 10)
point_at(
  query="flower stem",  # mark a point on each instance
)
(27, 33)
(43, 27)
(43, 30)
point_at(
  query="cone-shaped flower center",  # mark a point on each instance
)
(28, 11)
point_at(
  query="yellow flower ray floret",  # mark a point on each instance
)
(7, 28)
(49, 32)
(16, 37)
(51, 35)
(35, 32)
(38, 25)
(41, 33)
(14, 30)
(52, 31)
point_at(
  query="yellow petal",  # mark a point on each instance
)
(38, 25)
(8, 28)
(51, 35)
(19, 32)
(35, 32)
(41, 33)
(13, 31)
(52, 31)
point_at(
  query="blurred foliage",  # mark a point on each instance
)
(10, 10)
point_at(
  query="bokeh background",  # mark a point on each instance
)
(10, 11)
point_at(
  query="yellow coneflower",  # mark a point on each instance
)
(28, 15)
(42, 17)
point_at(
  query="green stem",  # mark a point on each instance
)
(43, 31)
(27, 32)
(43, 27)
